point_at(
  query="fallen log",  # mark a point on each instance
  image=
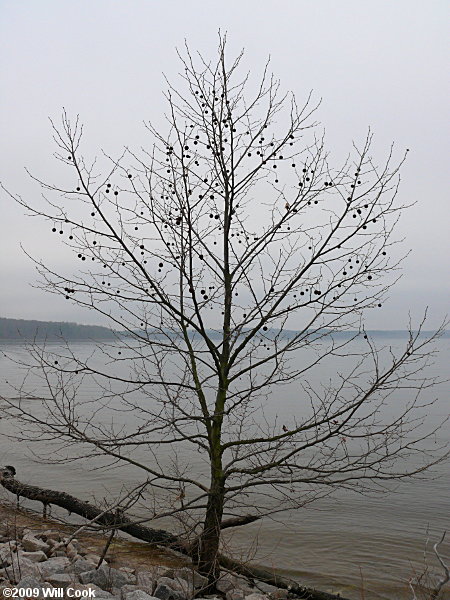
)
(158, 537)
(88, 511)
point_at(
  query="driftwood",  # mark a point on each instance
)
(158, 537)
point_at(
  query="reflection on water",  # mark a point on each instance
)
(347, 542)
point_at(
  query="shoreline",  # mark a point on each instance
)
(39, 558)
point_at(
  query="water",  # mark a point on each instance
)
(364, 546)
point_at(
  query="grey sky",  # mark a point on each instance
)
(377, 63)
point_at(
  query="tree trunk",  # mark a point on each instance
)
(208, 545)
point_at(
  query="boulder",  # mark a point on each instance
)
(126, 589)
(274, 592)
(106, 577)
(166, 592)
(95, 558)
(29, 582)
(80, 565)
(50, 534)
(38, 556)
(71, 551)
(146, 580)
(6, 553)
(22, 567)
(255, 596)
(138, 595)
(172, 583)
(31, 543)
(56, 564)
(235, 595)
(188, 574)
(229, 582)
(127, 570)
(279, 594)
(99, 593)
(32, 582)
(60, 580)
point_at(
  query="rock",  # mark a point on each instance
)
(71, 551)
(172, 583)
(60, 580)
(126, 589)
(165, 592)
(37, 557)
(274, 592)
(193, 577)
(33, 544)
(146, 580)
(32, 582)
(6, 553)
(29, 582)
(138, 595)
(81, 565)
(279, 594)
(97, 591)
(95, 558)
(50, 534)
(75, 558)
(229, 582)
(255, 596)
(235, 595)
(185, 586)
(106, 577)
(223, 585)
(22, 567)
(56, 564)
(76, 544)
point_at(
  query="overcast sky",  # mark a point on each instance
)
(375, 63)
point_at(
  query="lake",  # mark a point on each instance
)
(345, 543)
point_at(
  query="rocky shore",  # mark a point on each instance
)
(41, 560)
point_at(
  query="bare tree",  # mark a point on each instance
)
(234, 260)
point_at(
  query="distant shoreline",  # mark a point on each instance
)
(25, 330)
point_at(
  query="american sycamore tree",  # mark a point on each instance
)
(233, 260)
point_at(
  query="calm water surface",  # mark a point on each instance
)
(346, 543)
